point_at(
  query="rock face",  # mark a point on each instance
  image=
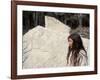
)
(56, 25)
(46, 47)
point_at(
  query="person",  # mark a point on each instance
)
(77, 55)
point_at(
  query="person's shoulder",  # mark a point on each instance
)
(82, 52)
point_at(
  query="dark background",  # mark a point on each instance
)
(78, 22)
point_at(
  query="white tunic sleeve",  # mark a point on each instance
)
(82, 58)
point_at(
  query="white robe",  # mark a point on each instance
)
(82, 59)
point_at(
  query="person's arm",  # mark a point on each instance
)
(82, 58)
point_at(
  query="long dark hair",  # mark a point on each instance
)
(76, 47)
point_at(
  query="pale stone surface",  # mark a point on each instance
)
(46, 47)
(56, 25)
